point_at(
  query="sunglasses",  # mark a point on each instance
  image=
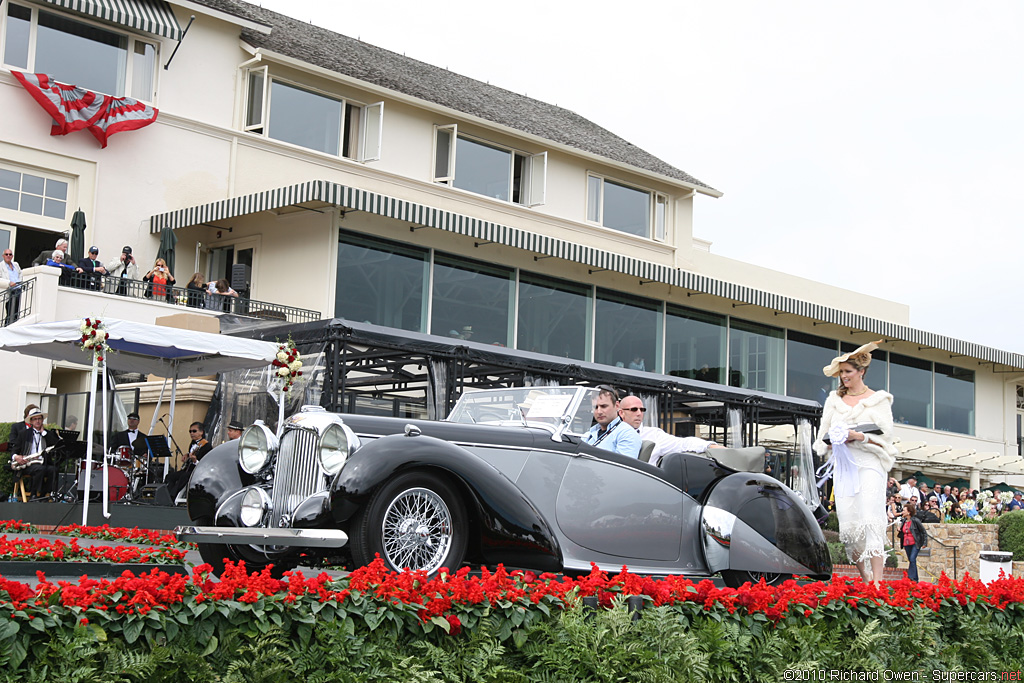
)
(7, 253)
(633, 410)
(193, 431)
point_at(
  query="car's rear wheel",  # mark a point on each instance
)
(734, 578)
(414, 521)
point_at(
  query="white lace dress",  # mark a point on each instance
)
(862, 515)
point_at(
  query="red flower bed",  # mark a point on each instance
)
(42, 550)
(133, 535)
(11, 526)
(447, 594)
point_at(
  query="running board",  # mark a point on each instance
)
(309, 538)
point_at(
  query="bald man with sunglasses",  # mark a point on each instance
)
(631, 410)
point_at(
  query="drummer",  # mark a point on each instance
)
(132, 437)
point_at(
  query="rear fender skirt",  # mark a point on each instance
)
(512, 530)
(753, 522)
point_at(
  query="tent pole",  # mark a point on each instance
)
(280, 409)
(156, 410)
(106, 430)
(174, 399)
(89, 442)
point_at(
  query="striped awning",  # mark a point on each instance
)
(150, 16)
(326, 192)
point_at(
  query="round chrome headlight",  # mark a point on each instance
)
(336, 444)
(255, 447)
(254, 503)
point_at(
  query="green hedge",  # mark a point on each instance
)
(1011, 533)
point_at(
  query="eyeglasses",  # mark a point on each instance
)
(7, 253)
(193, 431)
(634, 409)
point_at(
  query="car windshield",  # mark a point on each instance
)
(527, 405)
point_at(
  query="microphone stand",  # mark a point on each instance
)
(177, 449)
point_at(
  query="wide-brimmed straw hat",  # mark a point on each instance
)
(832, 369)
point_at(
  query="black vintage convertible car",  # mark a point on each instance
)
(505, 479)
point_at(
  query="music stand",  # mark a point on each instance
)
(158, 448)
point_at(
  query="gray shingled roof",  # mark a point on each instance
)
(354, 58)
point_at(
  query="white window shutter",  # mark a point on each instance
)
(257, 92)
(444, 152)
(373, 131)
(538, 178)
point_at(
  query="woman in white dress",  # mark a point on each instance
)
(861, 462)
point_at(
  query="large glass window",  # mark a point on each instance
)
(756, 356)
(471, 300)
(627, 331)
(910, 382)
(79, 53)
(695, 344)
(554, 316)
(314, 120)
(488, 169)
(806, 355)
(624, 208)
(33, 194)
(954, 399)
(381, 282)
(305, 118)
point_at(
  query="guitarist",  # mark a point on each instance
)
(197, 448)
(31, 456)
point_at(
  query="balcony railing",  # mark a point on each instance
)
(16, 302)
(188, 298)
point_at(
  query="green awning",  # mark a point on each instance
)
(149, 16)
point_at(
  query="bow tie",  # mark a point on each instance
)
(133, 431)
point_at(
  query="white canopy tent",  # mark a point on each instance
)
(136, 347)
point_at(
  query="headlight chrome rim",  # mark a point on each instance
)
(254, 507)
(255, 448)
(336, 445)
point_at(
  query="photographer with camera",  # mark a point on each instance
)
(160, 282)
(123, 269)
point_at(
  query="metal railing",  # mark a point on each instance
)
(16, 302)
(190, 298)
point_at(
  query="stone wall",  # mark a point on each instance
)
(969, 539)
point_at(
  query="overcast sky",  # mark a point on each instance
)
(875, 145)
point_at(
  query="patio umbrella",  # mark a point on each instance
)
(922, 479)
(77, 237)
(167, 241)
(959, 483)
(1001, 486)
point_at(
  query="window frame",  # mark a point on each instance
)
(657, 220)
(40, 219)
(532, 183)
(368, 143)
(127, 78)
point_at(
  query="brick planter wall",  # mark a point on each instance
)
(969, 539)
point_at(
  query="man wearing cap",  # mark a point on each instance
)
(93, 268)
(46, 254)
(235, 430)
(1016, 504)
(132, 437)
(124, 269)
(31, 456)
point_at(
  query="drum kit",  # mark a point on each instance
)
(127, 474)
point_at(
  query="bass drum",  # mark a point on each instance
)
(117, 478)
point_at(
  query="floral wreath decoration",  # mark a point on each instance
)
(288, 363)
(94, 337)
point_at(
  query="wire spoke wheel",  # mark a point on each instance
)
(415, 521)
(417, 530)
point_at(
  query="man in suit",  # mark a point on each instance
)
(92, 265)
(30, 455)
(132, 437)
(46, 254)
(235, 429)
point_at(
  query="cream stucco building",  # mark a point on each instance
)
(361, 184)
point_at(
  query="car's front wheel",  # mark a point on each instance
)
(414, 521)
(734, 578)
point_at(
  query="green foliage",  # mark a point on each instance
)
(892, 558)
(6, 477)
(1011, 533)
(832, 523)
(837, 551)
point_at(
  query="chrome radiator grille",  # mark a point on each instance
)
(297, 473)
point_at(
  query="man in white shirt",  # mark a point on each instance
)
(909, 492)
(10, 280)
(631, 410)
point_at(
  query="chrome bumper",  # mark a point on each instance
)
(309, 538)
